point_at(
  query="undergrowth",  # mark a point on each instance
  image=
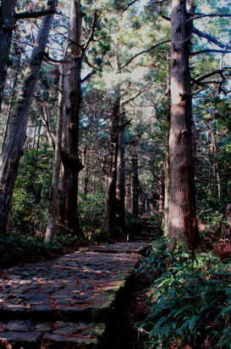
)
(15, 248)
(190, 301)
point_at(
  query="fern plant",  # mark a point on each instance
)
(190, 304)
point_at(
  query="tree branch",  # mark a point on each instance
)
(88, 76)
(129, 5)
(225, 92)
(143, 52)
(211, 38)
(219, 71)
(209, 51)
(207, 82)
(133, 97)
(91, 65)
(200, 81)
(166, 18)
(91, 36)
(211, 15)
(160, 2)
(55, 61)
(199, 90)
(125, 124)
(37, 14)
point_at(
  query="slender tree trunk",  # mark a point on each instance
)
(215, 167)
(7, 24)
(162, 191)
(110, 222)
(166, 195)
(143, 203)
(86, 183)
(135, 184)
(38, 136)
(122, 177)
(86, 172)
(46, 117)
(165, 223)
(182, 213)
(128, 199)
(12, 100)
(16, 135)
(53, 224)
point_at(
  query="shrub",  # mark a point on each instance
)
(190, 302)
(91, 210)
(31, 193)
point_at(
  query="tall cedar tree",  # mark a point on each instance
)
(182, 213)
(64, 204)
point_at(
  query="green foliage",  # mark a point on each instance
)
(91, 210)
(16, 248)
(30, 198)
(190, 301)
(156, 261)
(213, 221)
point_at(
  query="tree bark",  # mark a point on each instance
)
(182, 211)
(7, 24)
(16, 135)
(128, 198)
(53, 224)
(87, 172)
(135, 184)
(122, 175)
(12, 100)
(110, 221)
(166, 195)
(216, 179)
(162, 192)
(67, 212)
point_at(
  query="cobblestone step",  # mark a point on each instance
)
(59, 334)
(64, 303)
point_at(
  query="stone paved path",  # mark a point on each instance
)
(64, 303)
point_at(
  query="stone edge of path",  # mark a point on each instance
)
(56, 335)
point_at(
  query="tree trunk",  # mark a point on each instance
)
(111, 224)
(216, 179)
(45, 113)
(182, 213)
(12, 99)
(16, 135)
(135, 184)
(70, 109)
(162, 192)
(87, 171)
(7, 24)
(166, 195)
(165, 221)
(128, 199)
(53, 224)
(122, 176)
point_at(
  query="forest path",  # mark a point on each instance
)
(66, 302)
